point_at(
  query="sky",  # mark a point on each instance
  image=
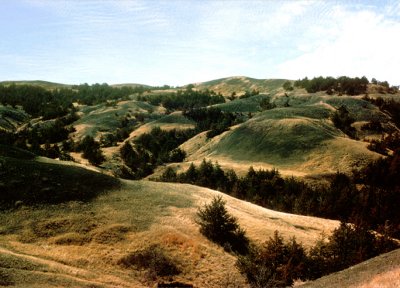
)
(181, 42)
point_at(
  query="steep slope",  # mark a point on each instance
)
(82, 243)
(382, 271)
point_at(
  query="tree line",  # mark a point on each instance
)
(152, 149)
(370, 196)
(340, 85)
(188, 98)
(49, 104)
(213, 119)
(277, 263)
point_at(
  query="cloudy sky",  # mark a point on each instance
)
(181, 42)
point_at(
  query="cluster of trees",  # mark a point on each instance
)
(91, 151)
(36, 101)
(277, 263)
(43, 139)
(212, 119)
(249, 93)
(370, 195)
(152, 149)
(287, 86)
(49, 104)
(100, 93)
(390, 141)
(342, 120)
(383, 87)
(184, 99)
(341, 85)
(390, 106)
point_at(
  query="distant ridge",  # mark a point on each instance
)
(240, 84)
(41, 83)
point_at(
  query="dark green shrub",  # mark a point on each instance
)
(91, 151)
(222, 228)
(276, 264)
(342, 120)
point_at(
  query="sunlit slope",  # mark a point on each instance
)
(382, 271)
(171, 121)
(106, 118)
(241, 84)
(79, 244)
(300, 139)
(43, 84)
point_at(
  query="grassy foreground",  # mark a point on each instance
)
(80, 244)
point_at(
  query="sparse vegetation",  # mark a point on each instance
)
(154, 259)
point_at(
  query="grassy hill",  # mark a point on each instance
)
(69, 226)
(78, 244)
(11, 118)
(103, 118)
(43, 84)
(382, 271)
(300, 139)
(241, 84)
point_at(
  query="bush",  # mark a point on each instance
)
(276, 264)
(153, 259)
(220, 227)
(342, 120)
(91, 151)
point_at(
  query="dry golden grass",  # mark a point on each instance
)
(81, 244)
(380, 272)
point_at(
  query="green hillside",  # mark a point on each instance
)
(241, 84)
(41, 83)
(11, 118)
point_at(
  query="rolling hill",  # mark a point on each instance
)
(81, 243)
(299, 139)
(241, 84)
(72, 224)
(382, 271)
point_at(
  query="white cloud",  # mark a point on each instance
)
(361, 43)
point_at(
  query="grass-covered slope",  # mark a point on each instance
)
(171, 121)
(382, 271)
(25, 180)
(241, 84)
(300, 138)
(44, 84)
(103, 118)
(11, 118)
(78, 244)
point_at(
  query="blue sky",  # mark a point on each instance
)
(181, 42)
